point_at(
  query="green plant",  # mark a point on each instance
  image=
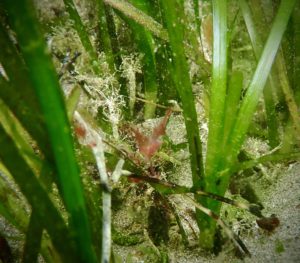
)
(215, 164)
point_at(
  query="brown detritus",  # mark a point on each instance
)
(268, 223)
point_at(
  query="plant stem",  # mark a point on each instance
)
(94, 140)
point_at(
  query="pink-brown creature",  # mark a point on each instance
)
(149, 145)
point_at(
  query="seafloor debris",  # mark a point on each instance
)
(268, 223)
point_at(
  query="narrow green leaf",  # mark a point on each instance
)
(296, 28)
(288, 94)
(197, 15)
(34, 233)
(218, 89)
(281, 72)
(11, 207)
(82, 33)
(232, 101)
(72, 101)
(216, 118)
(19, 135)
(274, 157)
(258, 82)
(172, 13)
(145, 43)
(33, 239)
(37, 197)
(23, 101)
(45, 82)
(112, 31)
(272, 121)
(139, 17)
(104, 36)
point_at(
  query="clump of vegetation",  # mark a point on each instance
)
(88, 91)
